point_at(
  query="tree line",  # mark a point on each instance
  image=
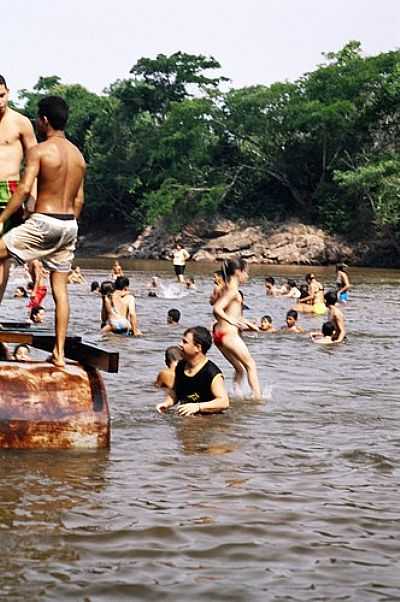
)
(169, 142)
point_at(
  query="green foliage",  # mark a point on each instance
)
(168, 143)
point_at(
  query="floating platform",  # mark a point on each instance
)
(46, 407)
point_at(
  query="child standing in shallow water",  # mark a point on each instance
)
(228, 313)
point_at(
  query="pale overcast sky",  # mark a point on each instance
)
(95, 42)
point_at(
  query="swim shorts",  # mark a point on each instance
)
(44, 237)
(218, 336)
(7, 189)
(120, 325)
(319, 309)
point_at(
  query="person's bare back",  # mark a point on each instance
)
(60, 177)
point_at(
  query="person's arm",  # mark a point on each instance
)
(169, 401)
(221, 304)
(186, 255)
(28, 140)
(79, 200)
(132, 318)
(218, 404)
(251, 326)
(24, 187)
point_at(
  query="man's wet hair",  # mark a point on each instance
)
(94, 286)
(328, 328)
(201, 336)
(55, 109)
(121, 282)
(267, 318)
(270, 280)
(173, 354)
(174, 314)
(292, 283)
(292, 313)
(330, 298)
(3, 81)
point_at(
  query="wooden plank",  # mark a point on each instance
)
(87, 354)
(15, 325)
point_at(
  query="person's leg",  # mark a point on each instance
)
(303, 308)
(60, 294)
(237, 366)
(234, 345)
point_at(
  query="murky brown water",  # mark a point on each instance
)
(294, 499)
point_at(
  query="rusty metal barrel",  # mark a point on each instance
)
(45, 407)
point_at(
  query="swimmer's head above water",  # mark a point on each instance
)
(173, 316)
(266, 323)
(173, 354)
(291, 318)
(196, 340)
(330, 298)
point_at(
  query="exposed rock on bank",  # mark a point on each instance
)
(290, 243)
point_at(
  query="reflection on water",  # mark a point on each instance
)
(293, 499)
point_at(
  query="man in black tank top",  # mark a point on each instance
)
(199, 383)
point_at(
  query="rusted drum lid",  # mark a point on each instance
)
(42, 406)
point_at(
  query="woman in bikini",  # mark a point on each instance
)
(226, 332)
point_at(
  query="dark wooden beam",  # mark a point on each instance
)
(87, 354)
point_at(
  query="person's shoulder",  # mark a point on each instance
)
(78, 153)
(19, 118)
(180, 367)
(212, 368)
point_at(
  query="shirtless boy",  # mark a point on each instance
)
(228, 313)
(121, 310)
(16, 138)
(325, 336)
(335, 316)
(51, 233)
(266, 324)
(166, 377)
(291, 323)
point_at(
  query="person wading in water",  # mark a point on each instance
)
(226, 333)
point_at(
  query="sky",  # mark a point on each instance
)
(96, 42)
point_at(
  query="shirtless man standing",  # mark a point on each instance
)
(50, 234)
(16, 138)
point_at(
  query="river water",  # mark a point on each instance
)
(296, 498)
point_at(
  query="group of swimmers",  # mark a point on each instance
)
(229, 325)
(118, 315)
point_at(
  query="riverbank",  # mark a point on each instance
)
(290, 243)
